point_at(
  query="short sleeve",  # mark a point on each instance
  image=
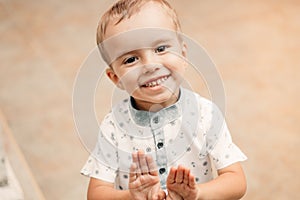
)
(219, 143)
(225, 152)
(93, 168)
(102, 163)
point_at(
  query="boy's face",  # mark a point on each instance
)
(146, 62)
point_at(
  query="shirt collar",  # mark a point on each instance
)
(161, 117)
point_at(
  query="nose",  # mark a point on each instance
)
(150, 63)
(150, 68)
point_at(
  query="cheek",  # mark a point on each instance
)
(129, 80)
(177, 64)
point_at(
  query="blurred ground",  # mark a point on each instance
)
(255, 46)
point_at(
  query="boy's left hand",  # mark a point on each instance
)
(181, 184)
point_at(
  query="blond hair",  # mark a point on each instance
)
(123, 9)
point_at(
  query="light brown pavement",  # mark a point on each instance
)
(255, 45)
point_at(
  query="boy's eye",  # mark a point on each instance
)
(130, 60)
(160, 49)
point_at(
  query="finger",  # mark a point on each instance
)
(161, 195)
(186, 176)
(179, 174)
(132, 174)
(192, 182)
(143, 162)
(151, 165)
(172, 175)
(136, 161)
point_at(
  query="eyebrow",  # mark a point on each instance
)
(162, 40)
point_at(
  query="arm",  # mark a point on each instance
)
(230, 184)
(103, 190)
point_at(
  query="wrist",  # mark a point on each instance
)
(129, 195)
(199, 195)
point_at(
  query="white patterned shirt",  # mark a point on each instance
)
(192, 132)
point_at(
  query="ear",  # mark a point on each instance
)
(184, 49)
(184, 53)
(114, 78)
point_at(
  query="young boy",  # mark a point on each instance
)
(162, 141)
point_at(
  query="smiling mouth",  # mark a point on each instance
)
(156, 82)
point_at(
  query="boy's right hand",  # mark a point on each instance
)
(144, 181)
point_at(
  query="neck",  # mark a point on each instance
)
(155, 107)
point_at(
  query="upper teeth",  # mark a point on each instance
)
(156, 82)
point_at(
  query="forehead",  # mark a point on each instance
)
(144, 29)
(150, 15)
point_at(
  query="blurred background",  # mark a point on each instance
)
(255, 46)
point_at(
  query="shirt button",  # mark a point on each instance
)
(155, 120)
(160, 145)
(162, 170)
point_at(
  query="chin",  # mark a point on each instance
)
(166, 99)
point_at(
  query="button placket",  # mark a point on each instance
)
(161, 156)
